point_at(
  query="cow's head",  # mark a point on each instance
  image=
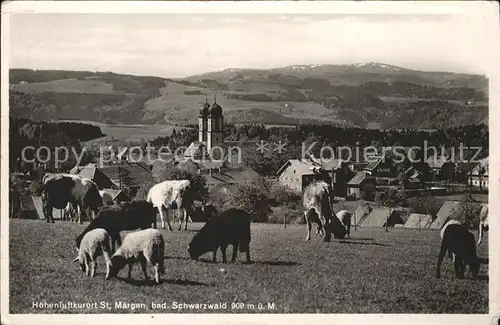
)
(203, 242)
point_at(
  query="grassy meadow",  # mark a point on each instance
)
(373, 272)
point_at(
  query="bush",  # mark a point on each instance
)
(284, 195)
(425, 205)
(35, 188)
(247, 197)
(142, 193)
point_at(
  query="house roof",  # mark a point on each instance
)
(140, 172)
(92, 172)
(360, 213)
(418, 221)
(358, 178)
(444, 213)
(377, 217)
(193, 148)
(328, 164)
(302, 167)
(114, 193)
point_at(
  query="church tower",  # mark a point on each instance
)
(215, 124)
(202, 122)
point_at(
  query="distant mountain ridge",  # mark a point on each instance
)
(361, 94)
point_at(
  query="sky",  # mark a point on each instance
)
(179, 45)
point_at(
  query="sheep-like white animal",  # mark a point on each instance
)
(144, 246)
(95, 243)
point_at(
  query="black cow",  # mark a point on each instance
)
(123, 216)
(230, 227)
(460, 242)
(59, 189)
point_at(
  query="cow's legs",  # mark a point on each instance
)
(48, 214)
(223, 249)
(458, 268)
(442, 253)
(326, 227)
(79, 212)
(143, 263)
(309, 225)
(183, 218)
(163, 216)
(235, 252)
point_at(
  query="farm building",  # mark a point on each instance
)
(418, 221)
(380, 167)
(355, 187)
(444, 214)
(298, 173)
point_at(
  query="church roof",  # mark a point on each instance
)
(206, 109)
(216, 110)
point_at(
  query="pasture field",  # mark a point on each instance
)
(373, 272)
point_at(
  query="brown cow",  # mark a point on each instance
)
(318, 208)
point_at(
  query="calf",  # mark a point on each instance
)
(124, 216)
(460, 242)
(230, 227)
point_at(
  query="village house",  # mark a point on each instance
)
(380, 167)
(296, 174)
(413, 179)
(441, 167)
(478, 176)
(356, 186)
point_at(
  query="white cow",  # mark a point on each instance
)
(450, 222)
(171, 195)
(107, 199)
(483, 223)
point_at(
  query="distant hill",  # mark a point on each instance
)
(366, 95)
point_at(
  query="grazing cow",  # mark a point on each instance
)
(460, 242)
(59, 189)
(483, 224)
(230, 227)
(450, 222)
(107, 199)
(15, 203)
(123, 216)
(172, 195)
(318, 209)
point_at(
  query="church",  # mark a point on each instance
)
(211, 130)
